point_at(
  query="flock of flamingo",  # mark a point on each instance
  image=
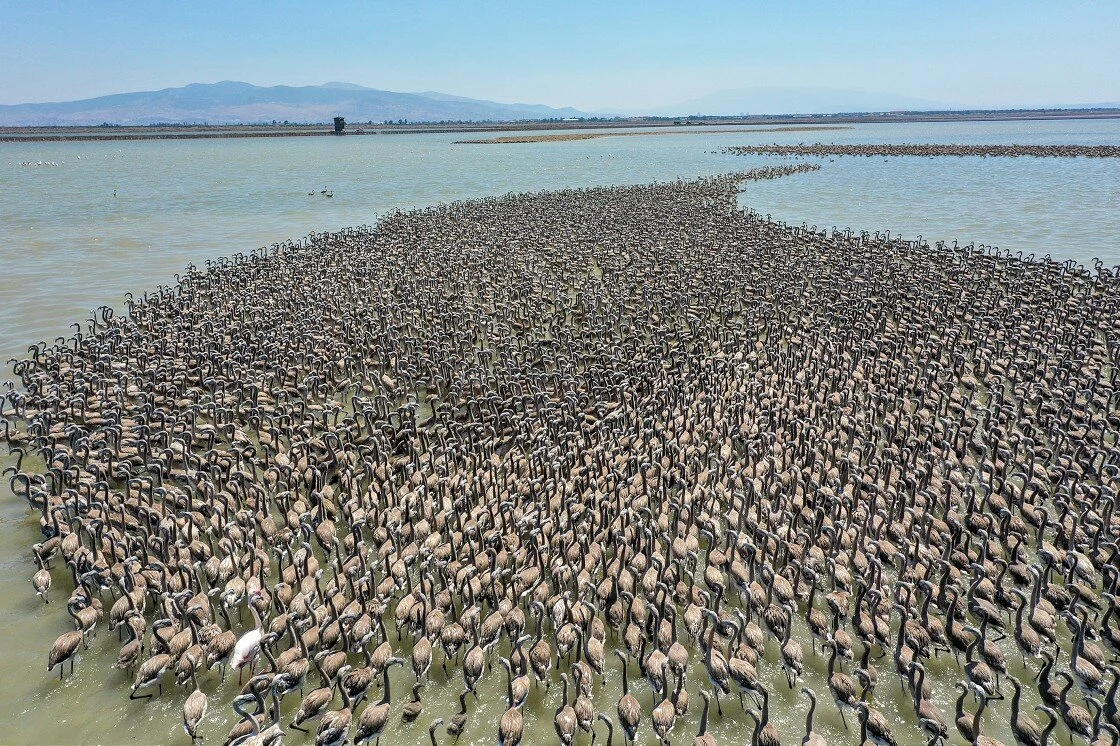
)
(931, 150)
(611, 445)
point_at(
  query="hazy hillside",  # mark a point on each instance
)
(231, 102)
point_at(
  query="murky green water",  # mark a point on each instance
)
(114, 218)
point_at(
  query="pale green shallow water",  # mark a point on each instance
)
(127, 216)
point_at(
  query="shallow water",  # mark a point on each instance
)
(120, 217)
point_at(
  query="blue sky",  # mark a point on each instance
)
(592, 55)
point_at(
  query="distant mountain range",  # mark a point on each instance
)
(231, 102)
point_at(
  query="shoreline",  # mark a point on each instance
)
(208, 132)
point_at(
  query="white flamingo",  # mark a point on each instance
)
(248, 646)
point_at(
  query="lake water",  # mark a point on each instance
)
(118, 217)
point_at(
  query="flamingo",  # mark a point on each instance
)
(248, 646)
